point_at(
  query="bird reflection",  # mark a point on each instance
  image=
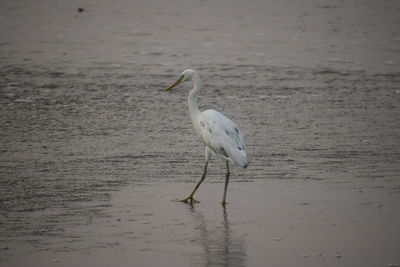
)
(219, 244)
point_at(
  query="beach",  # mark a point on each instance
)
(94, 154)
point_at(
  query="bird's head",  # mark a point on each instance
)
(185, 75)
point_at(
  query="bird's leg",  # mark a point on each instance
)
(190, 198)
(226, 183)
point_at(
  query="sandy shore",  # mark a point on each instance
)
(93, 153)
(274, 222)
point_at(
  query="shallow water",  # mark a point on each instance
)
(69, 140)
(314, 88)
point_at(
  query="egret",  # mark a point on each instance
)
(219, 134)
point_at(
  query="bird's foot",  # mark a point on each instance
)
(189, 200)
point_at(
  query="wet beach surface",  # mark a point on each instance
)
(94, 154)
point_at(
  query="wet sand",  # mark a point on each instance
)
(93, 153)
(272, 222)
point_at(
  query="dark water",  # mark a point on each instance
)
(69, 138)
(314, 87)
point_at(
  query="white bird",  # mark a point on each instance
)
(218, 133)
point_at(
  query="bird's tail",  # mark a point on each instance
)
(240, 159)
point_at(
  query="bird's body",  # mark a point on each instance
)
(222, 136)
(218, 133)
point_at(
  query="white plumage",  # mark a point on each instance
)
(222, 136)
(219, 134)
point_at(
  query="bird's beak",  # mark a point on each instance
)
(175, 83)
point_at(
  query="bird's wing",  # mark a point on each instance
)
(223, 136)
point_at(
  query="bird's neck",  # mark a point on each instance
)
(193, 103)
